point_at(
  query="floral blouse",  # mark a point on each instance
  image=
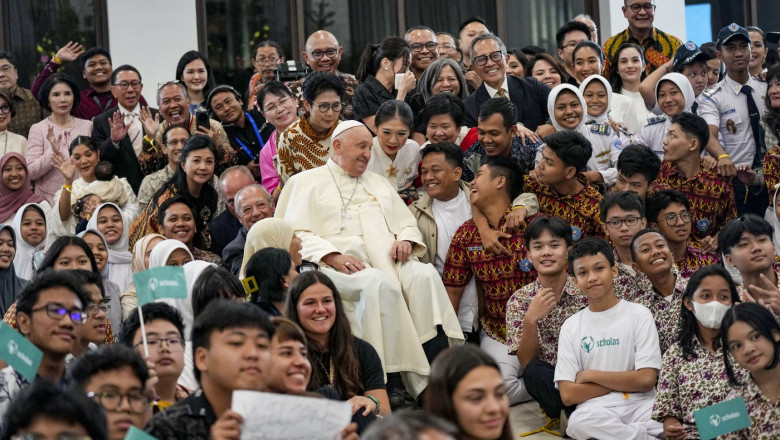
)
(764, 415)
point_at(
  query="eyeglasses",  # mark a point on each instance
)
(57, 312)
(417, 47)
(629, 221)
(135, 84)
(273, 106)
(60, 436)
(495, 56)
(92, 309)
(447, 46)
(5, 109)
(112, 400)
(648, 7)
(172, 343)
(671, 219)
(7, 68)
(262, 59)
(324, 107)
(330, 53)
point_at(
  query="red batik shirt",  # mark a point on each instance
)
(772, 171)
(581, 210)
(694, 259)
(498, 276)
(710, 196)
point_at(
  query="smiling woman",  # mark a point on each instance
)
(15, 188)
(108, 219)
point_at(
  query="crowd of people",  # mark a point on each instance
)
(456, 228)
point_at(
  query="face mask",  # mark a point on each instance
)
(710, 314)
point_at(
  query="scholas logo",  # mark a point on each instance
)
(587, 344)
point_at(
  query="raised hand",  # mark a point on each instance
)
(118, 127)
(70, 52)
(65, 166)
(150, 124)
(54, 141)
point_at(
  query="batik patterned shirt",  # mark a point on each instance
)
(581, 210)
(299, 148)
(764, 414)
(347, 110)
(572, 301)
(711, 198)
(772, 170)
(695, 259)
(658, 49)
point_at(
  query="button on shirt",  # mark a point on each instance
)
(725, 107)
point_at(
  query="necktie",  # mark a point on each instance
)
(134, 131)
(501, 93)
(754, 116)
(694, 107)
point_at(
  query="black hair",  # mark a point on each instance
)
(556, 226)
(590, 246)
(614, 76)
(152, 312)
(444, 104)
(502, 106)
(170, 128)
(549, 59)
(639, 234)
(78, 207)
(87, 141)
(625, 200)
(222, 88)
(418, 28)
(92, 52)
(222, 314)
(470, 20)
(45, 399)
(693, 126)
(452, 153)
(520, 57)
(570, 26)
(58, 78)
(394, 109)
(104, 171)
(732, 233)
(639, 159)
(89, 277)
(772, 115)
(49, 279)
(214, 283)
(189, 57)
(168, 203)
(689, 329)
(660, 200)
(59, 245)
(762, 321)
(571, 147)
(268, 43)
(504, 167)
(106, 358)
(7, 55)
(393, 48)
(269, 266)
(760, 32)
(408, 424)
(589, 44)
(320, 82)
(276, 88)
(124, 68)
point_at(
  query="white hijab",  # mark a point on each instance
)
(119, 257)
(23, 261)
(112, 293)
(551, 105)
(602, 118)
(160, 254)
(683, 84)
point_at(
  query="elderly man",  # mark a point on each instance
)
(224, 228)
(588, 21)
(253, 204)
(28, 110)
(659, 47)
(323, 54)
(425, 50)
(174, 104)
(396, 303)
(447, 46)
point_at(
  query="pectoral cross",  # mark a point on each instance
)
(391, 171)
(344, 218)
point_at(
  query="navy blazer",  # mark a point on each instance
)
(528, 94)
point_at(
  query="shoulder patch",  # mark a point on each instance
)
(711, 91)
(602, 129)
(656, 120)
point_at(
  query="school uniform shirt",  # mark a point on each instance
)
(498, 276)
(400, 171)
(522, 154)
(689, 384)
(724, 106)
(606, 146)
(695, 258)
(622, 338)
(580, 210)
(764, 414)
(652, 134)
(772, 170)
(572, 301)
(711, 198)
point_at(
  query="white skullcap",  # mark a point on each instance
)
(344, 126)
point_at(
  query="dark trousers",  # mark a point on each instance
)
(538, 377)
(751, 198)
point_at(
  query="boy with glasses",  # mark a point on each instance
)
(50, 314)
(623, 215)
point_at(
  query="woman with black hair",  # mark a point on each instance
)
(393, 154)
(191, 181)
(269, 273)
(379, 65)
(692, 374)
(195, 72)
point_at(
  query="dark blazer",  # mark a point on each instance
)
(124, 159)
(529, 95)
(224, 229)
(233, 254)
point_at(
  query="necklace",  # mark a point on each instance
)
(344, 206)
(328, 372)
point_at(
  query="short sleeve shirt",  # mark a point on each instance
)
(580, 210)
(695, 259)
(764, 414)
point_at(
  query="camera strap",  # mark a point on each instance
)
(257, 134)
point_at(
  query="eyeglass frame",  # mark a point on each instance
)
(124, 85)
(5, 109)
(281, 101)
(155, 341)
(263, 60)
(53, 314)
(92, 309)
(628, 221)
(677, 218)
(326, 106)
(318, 54)
(483, 58)
(425, 45)
(7, 69)
(647, 7)
(100, 395)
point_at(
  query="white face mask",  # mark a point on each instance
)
(710, 314)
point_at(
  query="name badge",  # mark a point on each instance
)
(474, 248)
(722, 418)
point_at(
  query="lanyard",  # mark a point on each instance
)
(108, 104)
(257, 134)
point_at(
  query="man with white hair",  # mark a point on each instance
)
(252, 204)
(390, 297)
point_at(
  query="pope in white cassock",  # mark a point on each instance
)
(356, 227)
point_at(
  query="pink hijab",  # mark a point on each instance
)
(13, 200)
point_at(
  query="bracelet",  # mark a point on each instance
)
(722, 156)
(374, 399)
(68, 188)
(57, 60)
(517, 207)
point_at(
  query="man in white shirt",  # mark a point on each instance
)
(608, 354)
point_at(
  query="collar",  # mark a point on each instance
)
(136, 110)
(492, 92)
(336, 168)
(735, 86)
(200, 407)
(653, 36)
(309, 131)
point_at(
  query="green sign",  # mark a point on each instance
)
(18, 352)
(160, 282)
(136, 434)
(722, 418)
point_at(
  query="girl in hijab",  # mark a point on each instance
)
(30, 227)
(15, 189)
(674, 94)
(99, 246)
(110, 221)
(272, 232)
(141, 253)
(10, 284)
(169, 253)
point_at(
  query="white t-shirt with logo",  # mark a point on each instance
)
(623, 338)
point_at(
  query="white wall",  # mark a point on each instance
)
(151, 35)
(669, 17)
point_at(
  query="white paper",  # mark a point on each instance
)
(284, 417)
